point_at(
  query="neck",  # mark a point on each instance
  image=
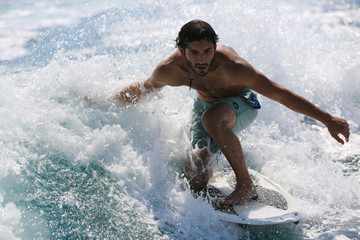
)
(191, 79)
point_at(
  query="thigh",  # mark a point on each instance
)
(220, 114)
(199, 136)
(245, 113)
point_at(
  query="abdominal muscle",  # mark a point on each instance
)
(212, 95)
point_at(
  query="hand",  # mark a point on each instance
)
(339, 126)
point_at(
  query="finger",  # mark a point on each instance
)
(347, 137)
(346, 134)
(337, 138)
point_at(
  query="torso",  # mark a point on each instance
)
(218, 84)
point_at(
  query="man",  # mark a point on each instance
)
(224, 105)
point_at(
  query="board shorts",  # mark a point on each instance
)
(245, 106)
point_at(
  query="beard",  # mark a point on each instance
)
(193, 67)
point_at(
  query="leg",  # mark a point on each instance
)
(198, 169)
(218, 121)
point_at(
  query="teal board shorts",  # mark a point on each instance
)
(245, 106)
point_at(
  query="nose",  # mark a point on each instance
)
(201, 59)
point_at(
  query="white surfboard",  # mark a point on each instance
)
(273, 206)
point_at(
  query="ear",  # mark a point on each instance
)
(182, 51)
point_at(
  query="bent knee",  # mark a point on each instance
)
(220, 115)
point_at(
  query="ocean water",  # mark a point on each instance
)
(74, 171)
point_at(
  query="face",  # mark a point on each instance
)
(199, 56)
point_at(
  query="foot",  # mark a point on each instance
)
(240, 196)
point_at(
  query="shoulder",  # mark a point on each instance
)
(170, 64)
(235, 68)
(230, 59)
(167, 72)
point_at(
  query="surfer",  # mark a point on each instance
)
(225, 104)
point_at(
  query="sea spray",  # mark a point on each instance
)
(70, 169)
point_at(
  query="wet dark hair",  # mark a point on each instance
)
(195, 30)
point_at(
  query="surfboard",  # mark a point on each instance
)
(273, 206)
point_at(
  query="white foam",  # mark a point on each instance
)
(144, 146)
(10, 217)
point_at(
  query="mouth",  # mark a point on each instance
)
(202, 67)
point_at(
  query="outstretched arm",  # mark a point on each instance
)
(136, 91)
(297, 103)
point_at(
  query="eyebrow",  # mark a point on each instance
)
(194, 50)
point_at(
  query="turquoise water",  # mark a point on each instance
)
(74, 171)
